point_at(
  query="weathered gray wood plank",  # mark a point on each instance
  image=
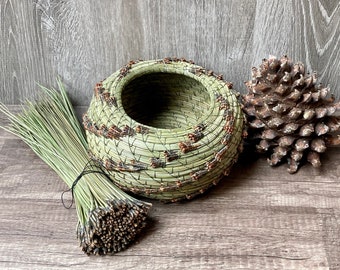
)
(257, 218)
(85, 41)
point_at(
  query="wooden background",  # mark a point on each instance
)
(84, 41)
(257, 218)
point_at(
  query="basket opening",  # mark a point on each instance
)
(165, 100)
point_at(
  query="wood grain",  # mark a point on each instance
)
(257, 218)
(83, 42)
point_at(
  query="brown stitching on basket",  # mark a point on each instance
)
(218, 97)
(109, 99)
(123, 72)
(220, 153)
(109, 164)
(125, 69)
(98, 89)
(112, 101)
(200, 127)
(219, 77)
(229, 85)
(195, 136)
(141, 129)
(197, 174)
(229, 126)
(103, 130)
(156, 163)
(170, 155)
(89, 125)
(227, 114)
(100, 93)
(199, 71)
(137, 164)
(133, 166)
(168, 60)
(187, 146)
(224, 104)
(211, 164)
(210, 73)
(226, 138)
(128, 131)
(112, 132)
(94, 158)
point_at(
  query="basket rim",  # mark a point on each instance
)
(148, 67)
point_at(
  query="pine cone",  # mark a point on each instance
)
(289, 115)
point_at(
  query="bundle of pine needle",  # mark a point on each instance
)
(109, 219)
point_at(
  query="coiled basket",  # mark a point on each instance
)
(164, 129)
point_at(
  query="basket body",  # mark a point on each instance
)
(166, 130)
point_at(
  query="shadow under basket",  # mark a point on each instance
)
(166, 130)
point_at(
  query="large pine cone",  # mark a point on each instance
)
(289, 115)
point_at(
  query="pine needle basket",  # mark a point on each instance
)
(164, 129)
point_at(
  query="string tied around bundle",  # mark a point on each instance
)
(89, 168)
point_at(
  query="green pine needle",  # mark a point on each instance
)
(51, 129)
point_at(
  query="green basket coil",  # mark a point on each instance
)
(164, 129)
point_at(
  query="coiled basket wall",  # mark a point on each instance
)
(164, 129)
